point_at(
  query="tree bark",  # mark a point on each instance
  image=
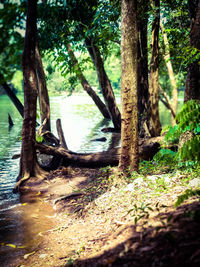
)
(155, 125)
(143, 85)
(192, 90)
(28, 162)
(104, 83)
(14, 99)
(147, 149)
(61, 134)
(42, 91)
(168, 63)
(86, 86)
(129, 87)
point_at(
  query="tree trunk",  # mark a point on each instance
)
(155, 125)
(28, 162)
(166, 102)
(14, 99)
(61, 134)
(192, 90)
(104, 83)
(171, 74)
(129, 87)
(143, 85)
(42, 91)
(86, 86)
(147, 149)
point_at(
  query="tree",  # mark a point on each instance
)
(28, 162)
(11, 44)
(13, 97)
(192, 89)
(155, 125)
(85, 84)
(129, 130)
(42, 91)
(78, 24)
(104, 83)
(143, 85)
(167, 59)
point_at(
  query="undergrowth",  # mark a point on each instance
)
(187, 134)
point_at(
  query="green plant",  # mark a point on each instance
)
(140, 212)
(188, 193)
(187, 131)
(165, 156)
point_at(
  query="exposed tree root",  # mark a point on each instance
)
(147, 149)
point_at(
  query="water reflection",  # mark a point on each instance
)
(81, 122)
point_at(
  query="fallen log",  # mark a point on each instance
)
(147, 149)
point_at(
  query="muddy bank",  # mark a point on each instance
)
(91, 218)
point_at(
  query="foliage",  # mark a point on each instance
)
(188, 193)
(17, 81)
(188, 128)
(175, 18)
(11, 27)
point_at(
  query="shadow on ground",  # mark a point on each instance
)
(176, 243)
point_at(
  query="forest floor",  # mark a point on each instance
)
(93, 217)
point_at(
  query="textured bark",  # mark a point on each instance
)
(129, 87)
(192, 90)
(61, 134)
(147, 149)
(28, 162)
(14, 99)
(143, 86)
(42, 91)
(86, 86)
(168, 63)
(104, 83)
(155, 125)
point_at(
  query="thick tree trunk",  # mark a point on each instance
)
(14, 99)
(28, 162)
(143, 86)
(104, 83)
(86, 86)
(168, 63)
(192, 90)
(42, 91)
(147, 149)
(129, 87)
(155, 125)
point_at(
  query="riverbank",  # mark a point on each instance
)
(92, 217)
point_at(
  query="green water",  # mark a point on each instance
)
(81, 122)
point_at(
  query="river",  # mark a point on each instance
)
(81, 122)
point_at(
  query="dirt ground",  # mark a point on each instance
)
(92, 221)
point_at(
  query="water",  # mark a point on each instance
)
(81, 122)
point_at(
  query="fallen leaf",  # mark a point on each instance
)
(42, 256)
(28, 254)
(38, 193)
(26, 187)
(11, 245)
(24, 204)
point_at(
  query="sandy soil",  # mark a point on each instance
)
(81, 219)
